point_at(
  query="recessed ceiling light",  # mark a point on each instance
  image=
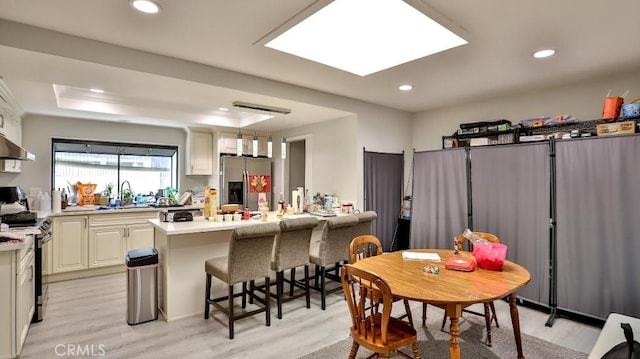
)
(223, 109)
(96, 90)
(544, 53)
(365, 36)
(146, 6)
(405, 87)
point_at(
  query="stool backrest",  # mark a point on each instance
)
(337, 234)
(365, 220)
(291, 246)
(250, 251)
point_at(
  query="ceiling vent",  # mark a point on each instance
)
(253, 106)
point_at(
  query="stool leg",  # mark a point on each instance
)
(279, 290)
(315, 276)
(244, 294)
(251, 289)
(306, 285)
(292, 282)
(267, 300)
(231, 312)
(207, 296)
(323, 304)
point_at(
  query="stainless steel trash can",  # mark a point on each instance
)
(142, 285)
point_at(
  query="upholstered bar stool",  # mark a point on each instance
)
(330, 252)
(365, 219)
(249, 258)
(291, 250)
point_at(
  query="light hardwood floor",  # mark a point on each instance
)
(90, 314)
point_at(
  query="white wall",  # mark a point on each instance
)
(583, 99)
(39, 130)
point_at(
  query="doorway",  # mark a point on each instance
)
(297, 163)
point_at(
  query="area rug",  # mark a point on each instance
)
(434, 343)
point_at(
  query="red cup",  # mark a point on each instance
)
(611, 110)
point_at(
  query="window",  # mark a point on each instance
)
(147, 167)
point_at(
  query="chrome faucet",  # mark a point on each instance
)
(122, 191)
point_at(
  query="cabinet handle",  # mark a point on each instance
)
(1, 120)
(30, 273)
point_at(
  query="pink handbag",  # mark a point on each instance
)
(490, 256)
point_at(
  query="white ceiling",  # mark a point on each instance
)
(591, 38)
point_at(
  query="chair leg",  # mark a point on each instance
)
(207, 296)
(292, 281)
(231, 312)
(487, 319)
(316, 274)
(306, 285)
(493, 314)
(416, 351)
(279, 290)
(267, 300)
(354, 350)
(424, 314)
(408, 310)
(444, 320)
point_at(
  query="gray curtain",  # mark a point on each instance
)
(383, 182)
(439, 208)
(510, 197)
(598, 225)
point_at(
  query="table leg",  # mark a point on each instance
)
(515, 321)
(454, 312)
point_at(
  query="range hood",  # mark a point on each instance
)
(11, 151)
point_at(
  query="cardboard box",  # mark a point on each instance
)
(616, 128)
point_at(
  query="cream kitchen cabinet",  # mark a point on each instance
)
(139, 236)
(199, 153)
(107, 246)
(17, 299)
(228, 144)
(10, 126)
(94, 244)
(70, 243)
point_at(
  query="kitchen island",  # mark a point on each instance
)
(183, 248)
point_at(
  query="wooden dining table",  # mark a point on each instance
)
(449, 289)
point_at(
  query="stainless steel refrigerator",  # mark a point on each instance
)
(236, 174)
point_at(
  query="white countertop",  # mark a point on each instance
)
(16, 244)
(200, 224)
(86, 210)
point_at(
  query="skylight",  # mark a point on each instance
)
(366, 36)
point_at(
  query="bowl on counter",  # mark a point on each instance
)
(163, 202)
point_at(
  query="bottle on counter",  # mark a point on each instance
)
(307, 201)
(281, 203)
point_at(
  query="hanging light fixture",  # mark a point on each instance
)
(270, 147)
(239, 144)
(255, 145)
(283, 149)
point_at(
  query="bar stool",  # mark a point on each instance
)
(249, 258)
(365, 220)
(331, 250)
(291, 250)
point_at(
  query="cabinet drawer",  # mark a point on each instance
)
(29, 244)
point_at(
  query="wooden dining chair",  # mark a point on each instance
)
(489, 308)
(372, 325)
(367, 246)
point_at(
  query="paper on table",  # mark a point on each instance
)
(421, 255)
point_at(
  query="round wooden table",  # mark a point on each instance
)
(449, 289)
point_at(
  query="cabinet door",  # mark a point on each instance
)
(227, 143)
(25, 301)
(200, 154)
(11, 166)
(140, 236)
(70, 237)
(107, 246)
(262, 146)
